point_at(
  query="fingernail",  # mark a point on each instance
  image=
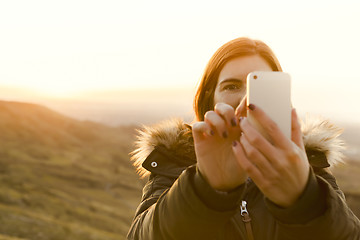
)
(240, 119)
(234, 143)
(251, 107)
(233, 122)
(212, 133)
(225, 134)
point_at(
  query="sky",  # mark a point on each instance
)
(141, 55)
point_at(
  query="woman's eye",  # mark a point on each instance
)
(232, 87)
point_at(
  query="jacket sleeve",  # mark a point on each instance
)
(334, 220)
(173, 210)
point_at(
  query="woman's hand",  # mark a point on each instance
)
(281, 169)
(213, 140)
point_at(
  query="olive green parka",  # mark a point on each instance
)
(177, 203)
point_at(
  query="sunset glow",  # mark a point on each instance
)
(64, 50)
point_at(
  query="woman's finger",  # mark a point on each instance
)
(296, 134)
(241, 109)
(217, 123)
(201, 130)
(256, 157)
(271, 128)
(227, 113)
(257, 140)
(245, 163)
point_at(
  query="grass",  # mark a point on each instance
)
(66, 179)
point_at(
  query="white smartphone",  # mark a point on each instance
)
(271, 91)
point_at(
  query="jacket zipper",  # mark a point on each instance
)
(246, 219)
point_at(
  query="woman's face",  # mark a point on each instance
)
(231, 85)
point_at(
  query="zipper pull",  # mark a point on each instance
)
(243, 209)
(247, 220)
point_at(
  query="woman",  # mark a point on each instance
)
(220, 179)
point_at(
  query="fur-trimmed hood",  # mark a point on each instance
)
(319, 135)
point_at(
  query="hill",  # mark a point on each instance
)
(64, 179)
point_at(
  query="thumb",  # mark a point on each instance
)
(241, 108)
(296, 134)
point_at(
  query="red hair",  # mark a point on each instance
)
(204, 97)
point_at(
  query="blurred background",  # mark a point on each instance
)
(77, 77)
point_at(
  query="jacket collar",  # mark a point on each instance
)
(321, 138)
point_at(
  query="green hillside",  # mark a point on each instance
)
(66, 179)
(63, 179)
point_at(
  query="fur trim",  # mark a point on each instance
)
(318, 134)
(321, 135)
(172, 133)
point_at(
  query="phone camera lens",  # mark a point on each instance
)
(255, 76)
